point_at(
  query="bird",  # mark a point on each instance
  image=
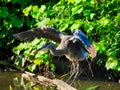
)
(75, 47)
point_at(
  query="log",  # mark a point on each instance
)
(61, 85)
(38, 79)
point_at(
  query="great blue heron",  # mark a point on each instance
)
(75, 47)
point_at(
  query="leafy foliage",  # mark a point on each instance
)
(25, 51)
(100, 19)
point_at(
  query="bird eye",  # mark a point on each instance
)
(73, 31)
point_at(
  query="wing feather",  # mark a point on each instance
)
(44, 32)
(85, 42)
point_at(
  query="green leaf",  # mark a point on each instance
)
(30, 85)
(70, 1)
(35, 11)
(87, 14)
(52, 67)
(3, 12)
(42, 8)
(18, 22)
(21, 46)
(118, 66)
(76, 25)
(111, 63)
(7, 1)
(35, 42)
(104, 21)
(88, 27)
(117, 18)
(77, 10)
(15, 21)
(63, 26)
(27, 10)
(43, 22)
(92, 15)
(31, 67)
(100, 46)
(37, 62)
(3, 34)
(7, 24)
(77, 1)
(20, 61)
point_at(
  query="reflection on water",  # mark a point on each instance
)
(13, 81)
(99, 85)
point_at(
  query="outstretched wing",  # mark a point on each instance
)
(85, 42)
(44, 32)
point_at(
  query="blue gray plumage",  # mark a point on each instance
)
(82, 37)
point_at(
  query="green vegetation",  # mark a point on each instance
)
(100, 19)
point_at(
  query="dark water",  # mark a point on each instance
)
(13, 81)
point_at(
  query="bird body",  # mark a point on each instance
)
(75, 47)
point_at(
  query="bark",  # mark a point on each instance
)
(60, 85)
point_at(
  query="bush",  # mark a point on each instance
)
(100, 19)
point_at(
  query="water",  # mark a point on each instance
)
(14, 81)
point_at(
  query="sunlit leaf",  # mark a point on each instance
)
(27, 10)
(77, 10)
(30, 84)
(63, 26)
(70, 1)
(21, 46)
(7, 1)
(31, 67)
(111, 63)
(43, 22)
(43, 7)
(117, 18)
(35, 41)
(92, 15)
(37, 61)
(100, 46)
(77, 1)
(35, 11)
(76, 25)
(52, 67)
(104, 21)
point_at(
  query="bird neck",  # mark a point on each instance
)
(52, 49)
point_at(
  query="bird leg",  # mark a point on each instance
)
(73, 72)
(76, 72)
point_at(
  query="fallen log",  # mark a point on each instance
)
(38, 79)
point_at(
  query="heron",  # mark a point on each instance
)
(75, 47)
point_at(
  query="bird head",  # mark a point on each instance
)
(43, 47)
(75, 31)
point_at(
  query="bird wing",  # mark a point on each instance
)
(85, 42)
(44, 32)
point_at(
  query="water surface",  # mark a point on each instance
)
(14, 81)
